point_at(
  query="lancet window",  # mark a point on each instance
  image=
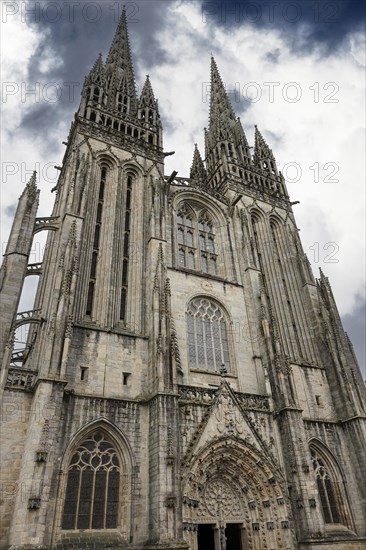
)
(96, 242)
(330, 488)
(126, 249)
(186, 239)
(207, 244)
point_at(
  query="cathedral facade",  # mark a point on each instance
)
(186, 381)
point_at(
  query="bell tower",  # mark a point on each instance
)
(186, 382)
(103, 293)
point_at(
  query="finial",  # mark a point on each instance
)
(33, 178)
(31, 187)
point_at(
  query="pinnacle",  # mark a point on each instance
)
(261, 149)
(98, 66)
(31, 187)
(147, 94)
(322, 276)
(33, 180)
(198, 169)
(99, 62)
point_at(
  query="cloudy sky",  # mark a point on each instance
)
(294, 68)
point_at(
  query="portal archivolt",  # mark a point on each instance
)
(232, 499)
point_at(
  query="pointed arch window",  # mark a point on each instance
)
(96, 94)
(96, 242)
(122, 103)
(93, 486)
(126, 250)
(207, 244)
(330, 488)
(196, 241)
(186, 238)
(208, 345)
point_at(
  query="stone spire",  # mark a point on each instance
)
(96, 75)
(220, 106)
(226, 147)
(31, 188)
(263, 155)
(147, 98)
(148, 112)
(14, 267)
(119, 68)
(198, 171)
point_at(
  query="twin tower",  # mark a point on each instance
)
(185, 382)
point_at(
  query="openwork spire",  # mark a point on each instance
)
(119, 64)
(261, 149)
(147, 98)
(96, 75)
(263, 156)
(221, 110)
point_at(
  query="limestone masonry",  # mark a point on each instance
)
(186, 381)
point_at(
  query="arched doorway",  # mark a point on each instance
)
(233, 501)
(220, 517)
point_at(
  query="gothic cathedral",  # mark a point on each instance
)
(186, 381)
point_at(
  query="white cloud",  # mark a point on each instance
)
(322, 132)
(358, 47)
(20, 153)
(305, 132)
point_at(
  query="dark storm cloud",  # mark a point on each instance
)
(78, 39)
(355, 324)
(76, 32)
(43, 118)
(326, 22)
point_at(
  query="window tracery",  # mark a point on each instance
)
(329, 488)
(92, 490)
(186, 238)
(196, 241)
(207, 244)
(208, 346)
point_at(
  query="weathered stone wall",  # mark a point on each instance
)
(16, 411)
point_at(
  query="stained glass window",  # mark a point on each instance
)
(208, 347)
(207, 244)
(92, 490)
(328, 489)
(185, 233)
(196, 240)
